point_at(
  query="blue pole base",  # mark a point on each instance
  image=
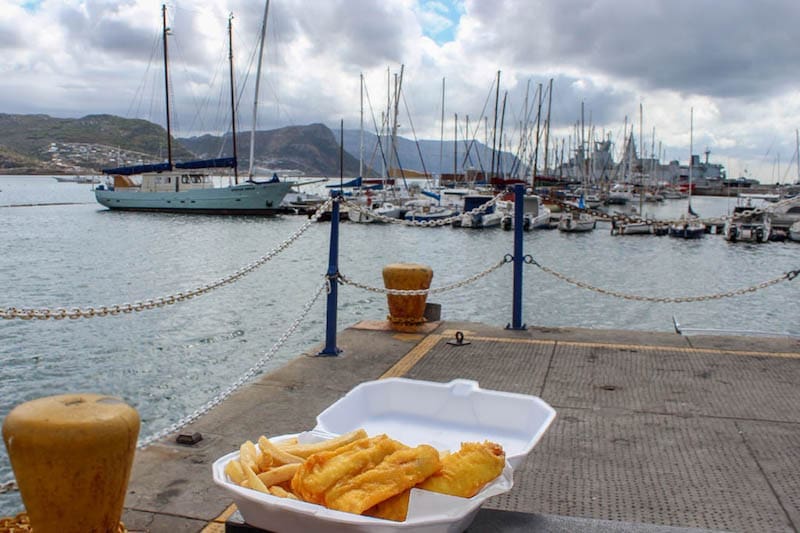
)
(523, 327)
(326, 352)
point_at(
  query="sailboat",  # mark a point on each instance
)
(641, 226)
(689, 225)
(189, 187)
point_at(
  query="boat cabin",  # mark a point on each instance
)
(175, 181)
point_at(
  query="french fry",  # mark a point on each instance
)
(277, 454)
(253, 482)
(235, 471)
(265, 461)
(306, 450)
(276, 490)
(278, 474)
(248, 455)
(291, 441)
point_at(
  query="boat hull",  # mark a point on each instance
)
(743, 232)
(243, 199)
(687, 233)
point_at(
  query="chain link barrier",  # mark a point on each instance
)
(623, 218)
(788, 276)
(423, 223)
(114, 310)
(421, 292)
(8, 486)
(249, 374)
(11, 485)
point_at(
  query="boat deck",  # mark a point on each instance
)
(655, 432)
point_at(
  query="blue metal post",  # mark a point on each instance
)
(333, 272)
(519, 220)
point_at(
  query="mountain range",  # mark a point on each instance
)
(40, 144)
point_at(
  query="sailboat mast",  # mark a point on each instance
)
(361, 134)
(233, 100)
(538, 122)
(494, 131)
(398, 84)
(797, 148)
(165, 30)
(691, 149)
(641, 157)
(441, 136)
(258, 85)
(455, 147)
(500, 143)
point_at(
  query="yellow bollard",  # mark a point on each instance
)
(72, 456)
(406, 312)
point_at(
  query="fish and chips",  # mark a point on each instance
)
(365, 475)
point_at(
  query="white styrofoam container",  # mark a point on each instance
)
(413, 412)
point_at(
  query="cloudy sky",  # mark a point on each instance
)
(735, 62)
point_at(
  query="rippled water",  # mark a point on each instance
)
(167, 362)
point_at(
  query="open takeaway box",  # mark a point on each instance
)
(413, 412)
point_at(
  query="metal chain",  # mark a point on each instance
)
(8, 486)
(788, 276)
(421, 292)
(113, 310)
(252, 371)
(628, 219)
(424, 223)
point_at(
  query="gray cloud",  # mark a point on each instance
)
(732, 48)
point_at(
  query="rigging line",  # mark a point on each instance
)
(375, 125)
(138, 94)
(467, 149)
(414, 133)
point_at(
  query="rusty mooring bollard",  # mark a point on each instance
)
(72, 456)
(407, 312)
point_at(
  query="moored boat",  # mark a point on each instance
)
(746, 224)
(687, 228)
(488, 218)
(571, 223)
(190, 187)
(637, 227)
(189, 192)
(536, 214)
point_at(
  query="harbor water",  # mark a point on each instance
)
(169, 361)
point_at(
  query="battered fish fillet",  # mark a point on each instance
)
(323, 470)
(397, 473)
(463, 474)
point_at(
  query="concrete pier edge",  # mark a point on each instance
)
(655, 431)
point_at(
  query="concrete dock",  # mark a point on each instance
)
(655, 432)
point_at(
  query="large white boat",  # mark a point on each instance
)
(190, 187)
(784, 213)
(745, 225)
(536, 215)
(188, 191)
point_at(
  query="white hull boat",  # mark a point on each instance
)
(572, 224)
(632, 228)
(385, 209)
(194, 194)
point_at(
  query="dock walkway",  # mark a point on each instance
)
(655, 432)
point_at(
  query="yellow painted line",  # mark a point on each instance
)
(642, 347)
(218, 524)
(413, 357)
